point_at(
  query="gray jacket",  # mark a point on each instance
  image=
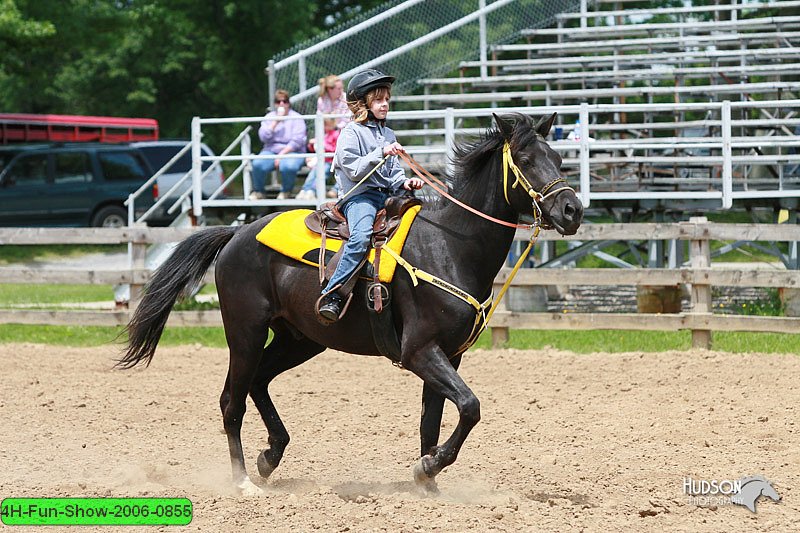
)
(358, 150)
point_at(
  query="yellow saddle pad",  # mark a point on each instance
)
(288, 234)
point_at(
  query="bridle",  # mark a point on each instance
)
(537, 197)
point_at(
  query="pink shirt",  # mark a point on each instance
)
(326, 105)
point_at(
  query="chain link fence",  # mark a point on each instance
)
(409, 39)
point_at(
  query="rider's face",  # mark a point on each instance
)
(380, 106)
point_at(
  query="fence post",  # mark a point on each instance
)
(272, 74)
(499, 334)
(319, 148)
(138, 250)
(482, 37)
(700, 252)
(301, 73)
(584, 14)
(247, 177)
(585, 175)
(197, 170)
(727, 155)
(449, 138)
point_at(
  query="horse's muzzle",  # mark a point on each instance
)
(566, 214)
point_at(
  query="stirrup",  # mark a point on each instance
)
(331, 309)
(344, 304)
(371, 299)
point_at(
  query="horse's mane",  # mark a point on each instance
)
(471, 156)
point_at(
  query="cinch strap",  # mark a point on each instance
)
(481, 315)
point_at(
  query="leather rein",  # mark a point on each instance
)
(508, 163)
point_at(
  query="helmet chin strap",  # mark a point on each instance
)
(371, 116)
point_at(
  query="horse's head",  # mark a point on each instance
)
(770, 492)
(535, 185)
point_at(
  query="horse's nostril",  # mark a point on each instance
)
(569, 211)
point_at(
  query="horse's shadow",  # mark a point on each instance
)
(354, 491)
(362, 491)
(348, 491)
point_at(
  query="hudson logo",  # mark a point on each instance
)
(744, 491)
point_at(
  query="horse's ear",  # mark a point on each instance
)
(545, 123)
(506, 126)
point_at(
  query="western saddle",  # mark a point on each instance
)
(330, 223)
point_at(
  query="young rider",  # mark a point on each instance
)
(361, 146)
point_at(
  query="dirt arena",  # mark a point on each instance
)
(567, 442)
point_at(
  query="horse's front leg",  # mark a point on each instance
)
(442, 381)
(431, 417)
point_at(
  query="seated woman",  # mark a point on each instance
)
(279, 137)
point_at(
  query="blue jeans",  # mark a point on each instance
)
(311, 180)
(288, 168)
(360, 212)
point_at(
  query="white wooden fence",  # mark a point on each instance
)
(698, 275)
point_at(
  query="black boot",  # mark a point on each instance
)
(331, 306)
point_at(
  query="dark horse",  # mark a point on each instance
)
(260, 289)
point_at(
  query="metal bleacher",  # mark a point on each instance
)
(679, 110)
(672, 51)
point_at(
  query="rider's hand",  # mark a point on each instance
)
(413, 183)
(393, 149)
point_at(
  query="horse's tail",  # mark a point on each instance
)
(176, 278)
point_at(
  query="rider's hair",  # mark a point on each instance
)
(360, 108)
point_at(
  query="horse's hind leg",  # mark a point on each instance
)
(441, 379)
(283, 353)
(246, 350)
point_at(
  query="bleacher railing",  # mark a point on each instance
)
(744, 150)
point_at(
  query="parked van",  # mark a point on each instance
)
(76, 184)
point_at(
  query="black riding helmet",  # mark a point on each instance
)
(365, 81)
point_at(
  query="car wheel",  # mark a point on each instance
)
(110, 216)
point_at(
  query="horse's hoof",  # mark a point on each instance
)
(248, 488)
(264, 468)
(423, 478)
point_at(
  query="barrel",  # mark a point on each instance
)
(658, 299)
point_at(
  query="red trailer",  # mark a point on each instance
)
(21, 127)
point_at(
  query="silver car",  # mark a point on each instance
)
(159, 154)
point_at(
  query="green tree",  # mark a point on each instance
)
(18, 35)
(333, 12)
(166, 60)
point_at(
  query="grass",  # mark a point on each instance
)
(61, 296)
(101, 336)
(743, 254)
(24, 253)
(37, 294)
(574, 341)
(617, 341)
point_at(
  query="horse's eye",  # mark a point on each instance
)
(524, 161)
